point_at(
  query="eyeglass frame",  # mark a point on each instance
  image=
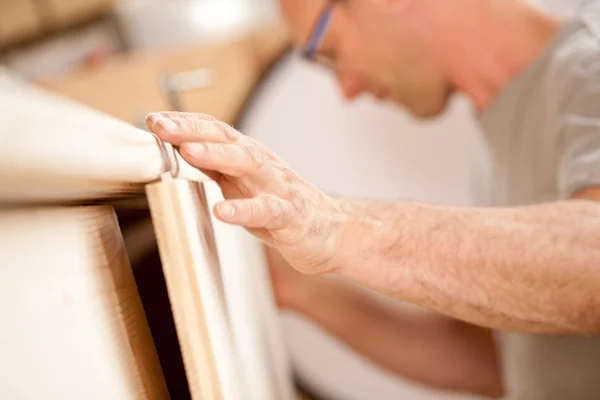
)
(310, 51)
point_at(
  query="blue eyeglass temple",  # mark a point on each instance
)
(319, 33)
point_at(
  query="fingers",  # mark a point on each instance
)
(234, 160)
(215, 147)
(178, 128)
(267, 212)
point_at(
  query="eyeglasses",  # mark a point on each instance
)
(311, 50)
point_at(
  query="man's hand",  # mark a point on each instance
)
(262, 193)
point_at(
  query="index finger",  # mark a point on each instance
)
(177, 128)
(181, 127)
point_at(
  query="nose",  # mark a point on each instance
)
(351, 86)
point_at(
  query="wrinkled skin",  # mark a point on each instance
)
(263, 194)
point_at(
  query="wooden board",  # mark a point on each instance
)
(185, 240)
(73, 326)
(222, 301)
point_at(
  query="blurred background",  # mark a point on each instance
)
(229, 58)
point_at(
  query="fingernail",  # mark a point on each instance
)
(167, 125)
(297, 201)
(227, 209)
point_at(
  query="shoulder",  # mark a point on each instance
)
(589, 12)
(573, 85)
(573, 78)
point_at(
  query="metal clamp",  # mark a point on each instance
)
(172, 85)
(169, 157)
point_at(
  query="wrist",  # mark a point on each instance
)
(346, 213)
(369, 236)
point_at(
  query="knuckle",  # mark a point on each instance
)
(203, 117)
(230, 132)
(317, 227)
(270, 154)
(258, 145)
(224, 151)
(288, 176)
(195, 125)
(255, 158)
(170, 114)
(298, 202)
(222, 128)
(267, 205)
(255, 209)
(273, 205)
(275, 209)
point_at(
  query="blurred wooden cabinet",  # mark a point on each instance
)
(22, 20)
(128, 86)
(18, 21)
(62, 13)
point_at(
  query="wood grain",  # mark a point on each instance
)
(73, 326)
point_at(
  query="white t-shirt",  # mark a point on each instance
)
(543, 133)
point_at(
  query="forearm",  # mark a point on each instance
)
(422, 346)
(527, 269)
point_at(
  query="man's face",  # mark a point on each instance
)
(379, 46)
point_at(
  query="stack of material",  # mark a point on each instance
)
(74, 322)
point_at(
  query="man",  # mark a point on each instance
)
(527, 266)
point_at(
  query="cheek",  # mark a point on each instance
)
(353, 50)
(351, 56)
(375, 60)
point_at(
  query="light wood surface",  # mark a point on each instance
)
(222, 300)
(73, 326)
(254, 316)
(186, 245)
